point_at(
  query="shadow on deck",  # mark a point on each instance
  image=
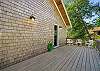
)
(66, 58)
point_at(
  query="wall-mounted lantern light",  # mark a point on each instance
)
(32, 17)
(60, 27)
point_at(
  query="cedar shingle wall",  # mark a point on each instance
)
(20, 37)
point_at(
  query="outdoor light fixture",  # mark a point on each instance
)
(32, 17)
(60, 27)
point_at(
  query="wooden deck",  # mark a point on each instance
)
(67, 58)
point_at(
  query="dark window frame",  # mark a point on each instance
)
(98, 32)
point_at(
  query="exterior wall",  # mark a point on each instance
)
(62, 36)
(20, 37)
(58, 21)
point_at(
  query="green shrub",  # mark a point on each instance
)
(50, 46)
(98, 37)
(94, 44)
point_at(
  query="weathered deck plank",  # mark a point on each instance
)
(79, 64)
(84, 62)
(69, 62)
(96, 60)
(88, 66)
(64, 61)
(67, 58)
(74, 66)
(91, 61)
(52, 66)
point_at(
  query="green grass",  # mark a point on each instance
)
(94, 44)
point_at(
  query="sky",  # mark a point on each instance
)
(94, 1)
(90, 20)
(94, 17)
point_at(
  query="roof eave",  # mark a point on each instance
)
(63, 13)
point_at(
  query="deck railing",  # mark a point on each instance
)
(98, 44)
(73, 41)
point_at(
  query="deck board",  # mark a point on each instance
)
(66, 58)
(70, 61)
(53, 66)
(74, 66)
(79, 64)
(84, 62)
(97, 60)
(88, 65)
(91, 61)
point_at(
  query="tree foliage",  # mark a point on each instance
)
(98, 22)
(79, 10)
(96, 8)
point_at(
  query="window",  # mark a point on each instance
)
(98, 32)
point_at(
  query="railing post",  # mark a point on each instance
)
(66, 41)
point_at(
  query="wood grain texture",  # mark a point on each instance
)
(66, 58)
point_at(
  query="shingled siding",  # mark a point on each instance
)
(20, 37)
